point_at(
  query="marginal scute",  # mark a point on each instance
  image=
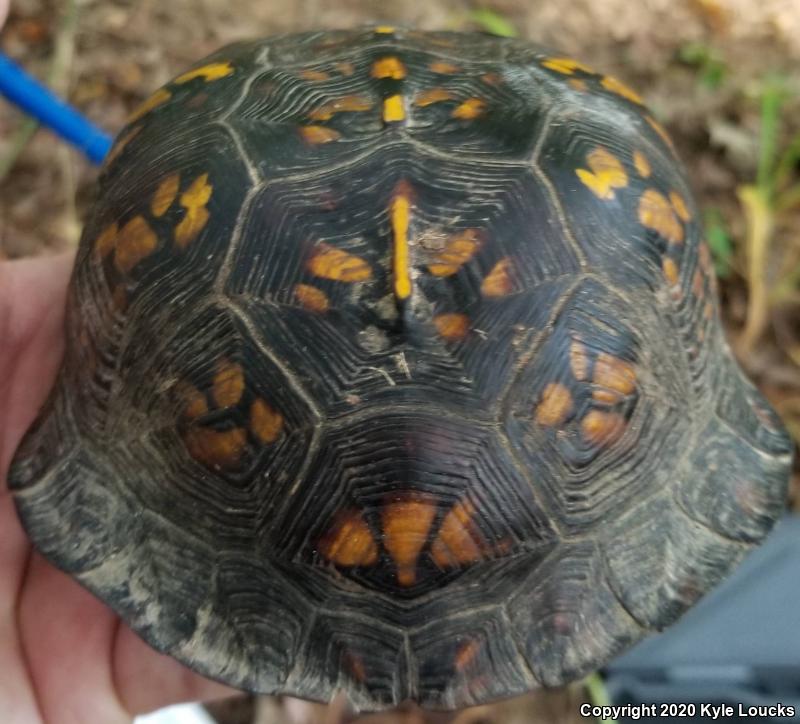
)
(567, 66)
(210, 72)
(161, 96)
(617, 86)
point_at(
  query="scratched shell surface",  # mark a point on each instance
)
(394, 366)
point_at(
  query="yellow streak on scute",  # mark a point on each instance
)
(196, 403)
(578, 84)
(498, 282)
(401, 217)
(318, 134)
(670, 269)
(135, 241)
(642, 164)
(452, 326)
(120, 144)
(405, 531)
(661, 131)
(161, 96)
(352, 103)
(466, 654)
(607, 173)
(388, 67)
(443, 67)
(165, 194)
(458, 250)
(602, 428)
(679, 205)
(312, 298)
(104, 244)
(393, 109)
(212, 71)
(329, 262)
(614, 373)
(579, 360)
(229, 384)
(384, 29)
(194, 200)
(656, 213)
(266, 422)
(314, 75)
(458, 542)
(617, 86)
(349, 541)
(469, 109)
(567, 66)
(433, 95)
(555, 405)
(214, 448)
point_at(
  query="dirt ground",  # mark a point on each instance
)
(721, 75)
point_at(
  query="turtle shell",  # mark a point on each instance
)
(394, 366)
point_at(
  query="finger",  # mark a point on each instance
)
(3, 12)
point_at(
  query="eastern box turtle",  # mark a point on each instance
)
(394, 367)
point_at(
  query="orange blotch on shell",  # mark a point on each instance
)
(670, 269)
(443, 67)
(194, 200)
(579, 360)
(606, 173)
(104, 244)
(452, 326)
(215, 448)
(388, 67)
(212, 71)
(466, 654)
(406, 524)
(470, 109)
(614, 373)
(317, 135)
(195, 402)
(661, 131)
(609, 397)
(459, 541)
(384, 29)
(345, 68)
(119, 146)
(433, 95)
(393, 109)
(492, 78)
(349, 541)
(312, 298)
(345, 104)
(656, 213)
(554, 406)
(161, 96)
(567, 66)
(602, 428)
(266, 422)
(135, 242)
(355, 664)
(165, 194)
(228, 386)
(458, 250)
(329, 262)
(498, 282)
(679, 204)
(314, 75)
(642, 164)
(617, 86)
(578, 84)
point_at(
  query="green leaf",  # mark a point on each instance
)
(493, 22)
(719, 241)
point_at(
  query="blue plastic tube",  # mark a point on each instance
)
(47, 108)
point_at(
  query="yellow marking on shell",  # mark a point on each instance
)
(470, 109)
(433, 95)
(615, 85)
(602, 428)
(388, 67)
(578, 84)
(567, 66)
(679, 204)
(313, 299)
(345, 104)
(606, 174)
(119, 297)
(670, 269)
(195, 401)
(609, 397)
(345, 68)
(314, 75)
(135, 241)
(393, 109)
(349, 541)
(554, 406)
(443, 67)
(614, 373)
(194, 200)
(579, 360)
(384, 29)
(452, 326)
(212, 71)
(661, 131)
(465, 655)
(317, 135)
(406, 524)
(492, 78)
(161, 96)
(104, 244)
(498, 282)
(120, 144)
(656, 213)
(401, 266)
(642, 164)
(459, 540)
(329, 262)
(228, 386)
(458, 250)
(266, 422)
(165, 194)
(215, 448)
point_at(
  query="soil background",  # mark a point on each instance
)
(722, 75)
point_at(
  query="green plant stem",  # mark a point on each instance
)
(598, 694)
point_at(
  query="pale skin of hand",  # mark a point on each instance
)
(65, 657)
